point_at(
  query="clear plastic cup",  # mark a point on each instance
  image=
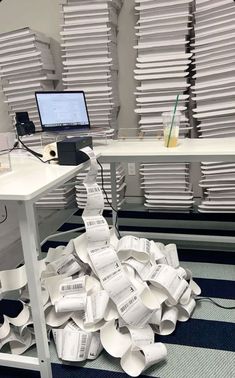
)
(171, 131)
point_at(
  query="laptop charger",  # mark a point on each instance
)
(69, 150)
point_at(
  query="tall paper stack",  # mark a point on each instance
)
(218, 183)
(162, 61)
(167, 186)
(26, 66)
(89, 51)
(81, 194)
(214, 58)
(214, 94)
(162, 73)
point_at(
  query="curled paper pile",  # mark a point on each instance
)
(101, 292)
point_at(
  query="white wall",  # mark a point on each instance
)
(128, 119)
(41, 15)
(127, 58)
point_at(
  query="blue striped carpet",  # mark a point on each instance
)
(203, 347)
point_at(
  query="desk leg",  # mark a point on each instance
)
(29, 237)
(114, 191)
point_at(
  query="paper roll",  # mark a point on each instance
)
(113, 341)
(135, 362)
(168, 321)
(50, 152)
(186, 311)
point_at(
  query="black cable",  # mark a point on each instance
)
(34, 153)
(214, 302)
(37, 154)
(107, 199)
(6, 215)
(11, 149)
(53, 159)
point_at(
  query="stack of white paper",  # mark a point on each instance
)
(162, 61)
(81, 195)
(63, 197)
(167, 186)
(218, 182)
(89, 52)
(26, 66)
(214, 73)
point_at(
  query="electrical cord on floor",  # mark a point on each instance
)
(5, 216)
(214, 302)
(106, 196)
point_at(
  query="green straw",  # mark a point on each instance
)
(173, 118)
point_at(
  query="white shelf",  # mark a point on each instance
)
(188, 150)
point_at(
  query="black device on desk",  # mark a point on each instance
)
(23, 124)
(69, 150)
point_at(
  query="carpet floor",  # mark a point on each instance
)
(203, 347)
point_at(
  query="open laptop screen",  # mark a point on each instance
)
(60, 111)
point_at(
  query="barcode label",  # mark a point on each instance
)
(101, 249)
(111, 275)
(95, 222)
(147, 246)
(83, 346)
(129, 303)
(72, 325)
(155, 273)
(69, 287)
(93, 190)
(64, 267)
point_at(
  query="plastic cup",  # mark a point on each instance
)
(171, 131)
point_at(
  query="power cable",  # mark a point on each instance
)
(214, 302)
(6, 215)
(7, 150)
(107, 199)
(34, 153)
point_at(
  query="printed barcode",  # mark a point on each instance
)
(111, 275)
(98, 249)
(72, 287)
(155, 272)
(63, 267)
(132, 300)
(83, 346)
(95, 222)
(72, 323)
(147, 246)
(93, 190)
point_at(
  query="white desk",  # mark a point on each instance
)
(37, 179)
(149, 150)
(153, 151)
(29, 180)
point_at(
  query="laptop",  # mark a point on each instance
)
(63, 111)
